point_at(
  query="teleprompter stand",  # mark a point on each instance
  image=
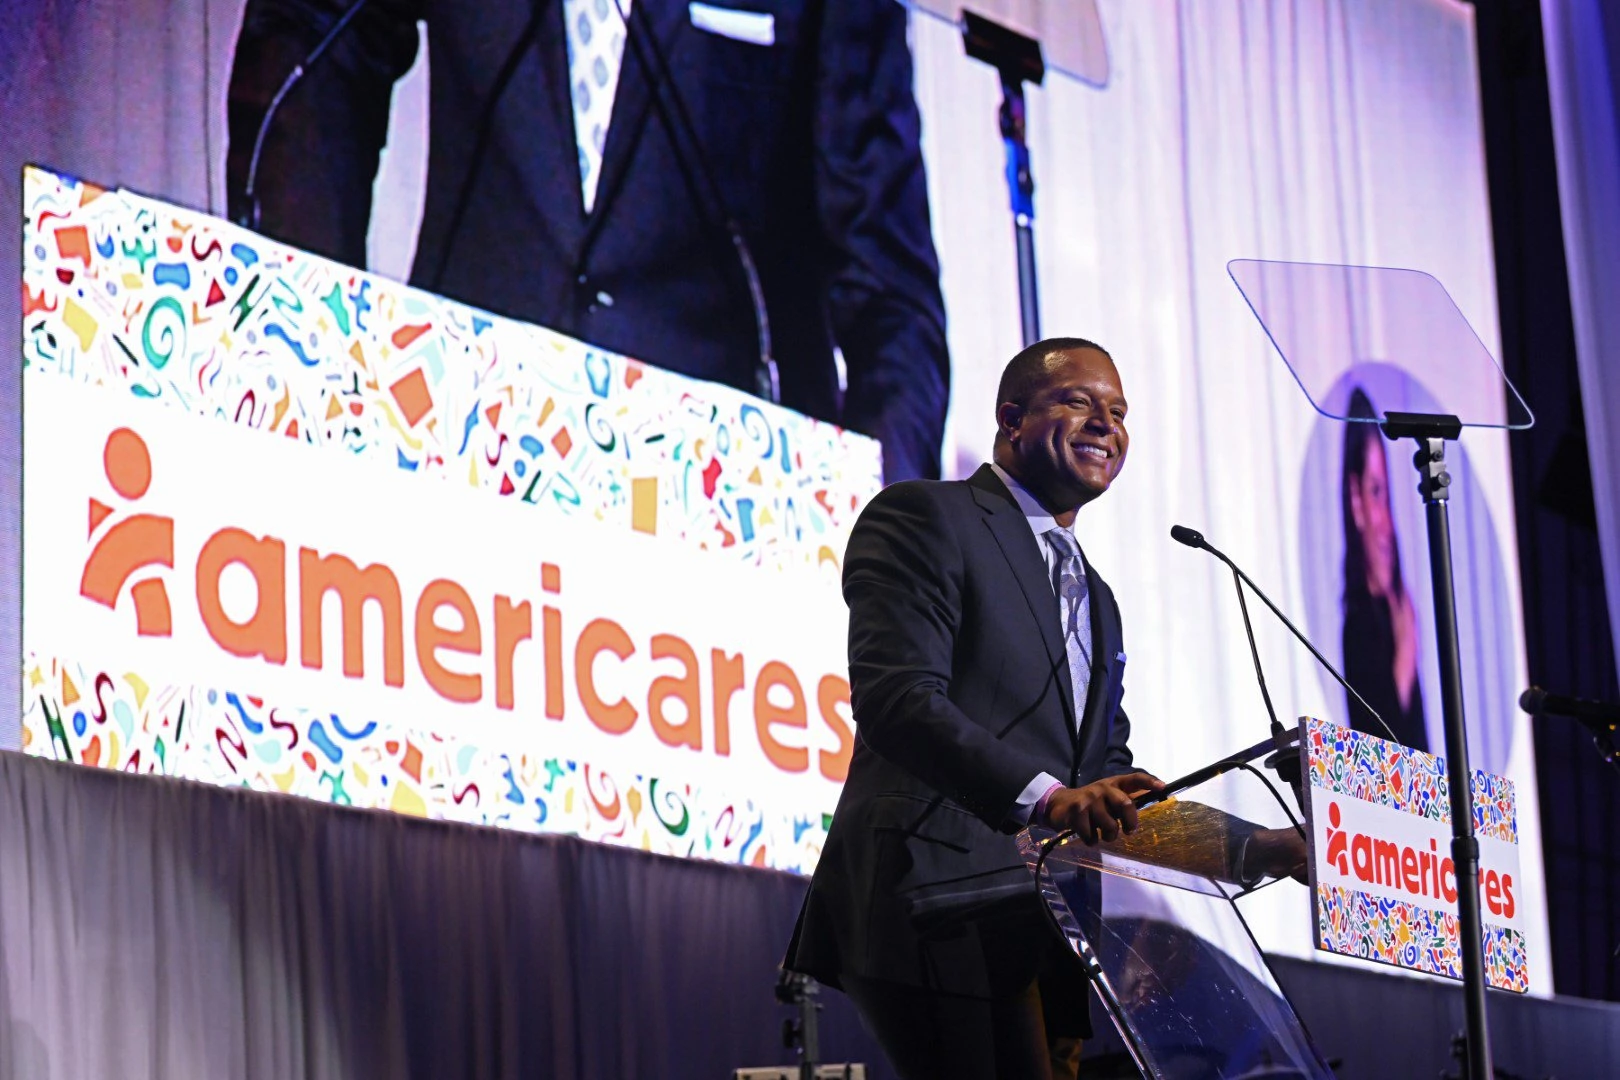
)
(1332, 324)
(1432, 432)
(1024, 40)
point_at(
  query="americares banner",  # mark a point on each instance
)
(291, 526)
(1383, 884)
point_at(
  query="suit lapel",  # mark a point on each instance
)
(1105, 645)
(1023, 554)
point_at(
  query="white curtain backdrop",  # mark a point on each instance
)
(1586, 134)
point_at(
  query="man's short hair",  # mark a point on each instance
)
(1025, 372)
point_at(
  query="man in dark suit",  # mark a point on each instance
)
(986, 659)
(576, 181)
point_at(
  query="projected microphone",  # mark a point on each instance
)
(677, 121)
(1195, 539)
(250, 199)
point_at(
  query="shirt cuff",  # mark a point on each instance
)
(1034, 791)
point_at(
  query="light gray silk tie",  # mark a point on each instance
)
(1074, 604)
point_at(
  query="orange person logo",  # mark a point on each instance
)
(135, 543)
(1337, 842)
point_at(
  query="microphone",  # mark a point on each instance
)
(1194, 539)
(1601, 718)
(1191, 537)
(1604, 715)
(1286, 765)
(250, 199)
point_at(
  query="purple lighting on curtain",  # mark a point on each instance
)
(1582, 84)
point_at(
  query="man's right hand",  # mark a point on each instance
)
(1101, 810)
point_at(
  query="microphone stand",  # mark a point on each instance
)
(250, 197)
(677, 121)
(1017, 59)
(1194, 539)
(1432, 431)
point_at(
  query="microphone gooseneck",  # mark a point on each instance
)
(1254, 651)
(677, 121)
(485, 128)
(1194, 538)
(250, 198)
(1287, 765)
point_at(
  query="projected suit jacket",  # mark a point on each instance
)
(812, 140)
(961, 695)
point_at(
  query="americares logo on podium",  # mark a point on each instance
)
(1415, 871)
(1384, 886)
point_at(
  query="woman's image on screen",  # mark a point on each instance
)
(1380, 627)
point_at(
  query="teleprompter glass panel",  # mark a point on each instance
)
(1326, 319)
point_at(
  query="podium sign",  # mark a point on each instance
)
(1383, 886)
(296, 527)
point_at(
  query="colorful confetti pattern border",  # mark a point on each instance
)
(192, 313)
(1395, 932)
(1362, 766)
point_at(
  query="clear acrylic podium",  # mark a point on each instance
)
(1171, 958)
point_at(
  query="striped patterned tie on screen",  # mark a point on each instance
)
(1074, 602)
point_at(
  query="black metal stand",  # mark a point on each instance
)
(804, 1033)
(1021, 190)
(1434, 484)
(1017, 59)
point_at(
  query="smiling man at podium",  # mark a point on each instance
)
(986, 661)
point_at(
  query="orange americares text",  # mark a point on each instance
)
(262, 595)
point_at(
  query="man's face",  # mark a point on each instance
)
(1068, 441)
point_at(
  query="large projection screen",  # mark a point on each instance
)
(296, 527)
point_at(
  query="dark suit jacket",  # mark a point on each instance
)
(813, 142)
(1369, 665)
(961, 696)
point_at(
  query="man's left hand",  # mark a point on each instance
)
(1274, 853)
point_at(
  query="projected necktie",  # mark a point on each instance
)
(596, 30)
(1074, 604)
